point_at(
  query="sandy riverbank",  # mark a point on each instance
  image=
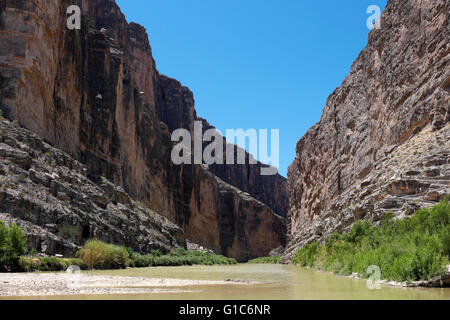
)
(59, 284)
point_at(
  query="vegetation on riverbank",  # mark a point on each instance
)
(94, 255)
(99, 255)
(180, 257)
(12, 247)
(410, 249)
(31, 264)
(266, 260)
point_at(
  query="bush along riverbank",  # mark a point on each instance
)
(12, 247)
(416, 248)
(99, 255)
(266, 260)
(94, 255)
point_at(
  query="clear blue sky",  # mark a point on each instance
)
(256, 64)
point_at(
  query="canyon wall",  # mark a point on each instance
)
(59, 205)
(382, 143)
(175, 107)
(96, 94)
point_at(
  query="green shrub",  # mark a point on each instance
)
(27, 264)
(12, 246)
(156, 253)
(141, 261)
(181, 257)
(306, 256)
(266, 260)
(181, 252)
(32, 252)
(52, 264)
(49, 264)
(3, 233)
(16, 240)
(411, 249)
(99, 255)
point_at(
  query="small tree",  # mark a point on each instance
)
(16, 241)
(3, 234)
(12, 246)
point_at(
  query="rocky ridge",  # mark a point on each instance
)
(382, 143)
(176, 108)
(409, 177)
(101, 103)
(59, 205)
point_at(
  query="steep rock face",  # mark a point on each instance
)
(59, 206)
(96, 94)
(269, 189)
(237, 225)
(382, 142)
(175, 107)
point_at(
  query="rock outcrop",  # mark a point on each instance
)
(382, 143)
(60, 205)
(175, 107)
(95, 93)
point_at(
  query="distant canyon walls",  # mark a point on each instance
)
(175, 107)
(382, 143)
(96, 94)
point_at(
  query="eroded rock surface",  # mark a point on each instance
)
(382, 143)
(60, 205)
(175, 107)
(96, 94)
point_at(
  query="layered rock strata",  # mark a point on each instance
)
(382, 143)
(59, 205)
(96, 94)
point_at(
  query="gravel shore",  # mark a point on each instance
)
(60, 284)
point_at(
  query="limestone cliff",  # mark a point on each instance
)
(96, 94)
(175, 107)
(53, 198)
(382, 143)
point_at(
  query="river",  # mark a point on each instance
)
(275, 282)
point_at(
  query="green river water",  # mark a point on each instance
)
(279, 282)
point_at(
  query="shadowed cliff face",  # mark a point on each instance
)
(175, 107)
(96, 94)
(382, 142)
(59, 205)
